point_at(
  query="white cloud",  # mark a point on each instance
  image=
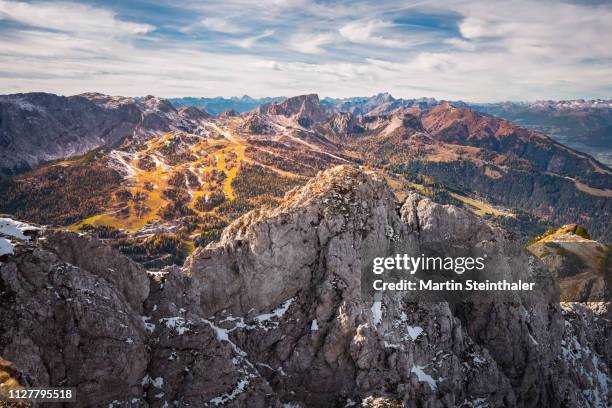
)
(221, 25)
(543, 29)
(461, 44)
(365, 33)
(309, 43)
(70, 17)
(249, 42)
(513, 50)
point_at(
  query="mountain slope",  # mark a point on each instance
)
(36, 128)
(582, 125)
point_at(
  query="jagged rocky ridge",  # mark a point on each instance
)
(274, 315)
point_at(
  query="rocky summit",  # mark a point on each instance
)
(275, 315)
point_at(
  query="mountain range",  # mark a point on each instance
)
(37, 127)
(160, 256)
(152, 169)
(584, 125)
(219, 104)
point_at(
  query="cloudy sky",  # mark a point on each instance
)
(475, 50)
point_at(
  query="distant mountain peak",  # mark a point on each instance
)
(384, 97)
(306, 109)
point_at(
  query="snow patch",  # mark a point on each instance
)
(239, 389)
(150, 327)
(414, 332)
(392, 345)
(155, 382)
(423, 376)
(6, 247)
(314, 326)
(120, 161)
(278, 312)
(15, 229)
(376, 312)
(179, 324)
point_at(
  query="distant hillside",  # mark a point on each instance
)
(377, 104)
(579, 124)
(218, 105)
(36, 128)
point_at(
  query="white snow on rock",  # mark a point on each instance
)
(278, 312)
(239, 389)
(414, 332)
(376, 312)
(314, 326)
(120, 161)
(266, 321)
(150, 327)
(240, 360)
(178, 324)
(15, 229)
(423, 376)
(6, 247)
(156, 382)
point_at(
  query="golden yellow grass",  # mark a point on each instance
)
(159, 176)
(480, 208)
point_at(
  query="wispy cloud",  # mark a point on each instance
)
(249, 42)
(368, 33)
(471, 49)
(221, 25)
(70, 17)
(310, 43)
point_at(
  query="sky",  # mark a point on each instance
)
(472, 50)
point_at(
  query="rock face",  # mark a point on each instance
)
(66, 325)
(277, 314)
(40, 127)
(305, 109)
(582, 266)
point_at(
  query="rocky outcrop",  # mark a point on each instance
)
(40, 127)
(278, 313)
(64, 325)
(306, 110)
(582, 266)
(284, 286)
